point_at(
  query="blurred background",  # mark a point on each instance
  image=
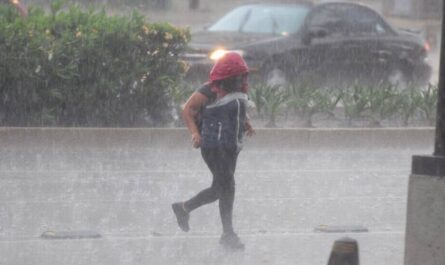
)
(110, 103)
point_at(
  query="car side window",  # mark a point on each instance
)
(275, 20)
(361, 21)
(232, 21)
(347, 20)
(329, 20)
(259, 20)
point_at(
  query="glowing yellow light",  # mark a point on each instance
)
(285, 33)
(217, 54)
(15, 2)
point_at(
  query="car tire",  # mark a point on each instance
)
(275, 77)
(397, 78)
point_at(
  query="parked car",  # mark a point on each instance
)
(334, 43)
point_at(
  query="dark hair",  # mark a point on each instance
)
(231, 84)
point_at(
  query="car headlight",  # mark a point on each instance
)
(218, 53)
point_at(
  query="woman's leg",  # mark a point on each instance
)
(182, 209)
(222, 163)
(226, 181)
(229, 238)
(211, 194)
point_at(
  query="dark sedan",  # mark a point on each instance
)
(329, 44)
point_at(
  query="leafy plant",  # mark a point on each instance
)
(257, 94)
(384, 102)
(271, 99)
(409, 104)
(355, 102)
(428, 103)
(309, 100)
(84, 68)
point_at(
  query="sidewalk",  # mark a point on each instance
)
(124, 194)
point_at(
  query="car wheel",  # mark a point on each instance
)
(275, 77)
(398, 79)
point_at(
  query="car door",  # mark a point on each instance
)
(322, 57)
(346, 44)
(367, 58)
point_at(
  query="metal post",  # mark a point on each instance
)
(439, 147)
(425, 236)
(434, 165)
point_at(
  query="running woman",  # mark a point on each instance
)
(216, 118)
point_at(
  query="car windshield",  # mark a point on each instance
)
(263, 19)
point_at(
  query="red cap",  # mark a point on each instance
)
(230, 65)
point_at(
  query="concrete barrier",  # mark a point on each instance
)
(179, 138)
(425, 232)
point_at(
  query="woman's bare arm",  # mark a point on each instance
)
(250, 131)
(190, 109)
(20, 7)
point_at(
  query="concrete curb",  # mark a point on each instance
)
(14, 137)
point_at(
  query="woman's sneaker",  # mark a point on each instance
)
(231, 241)
(182, 216)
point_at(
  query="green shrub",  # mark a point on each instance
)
(179, 94)
(84, 68)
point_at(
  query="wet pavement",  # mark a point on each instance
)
(124, 195)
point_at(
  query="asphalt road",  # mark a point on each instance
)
(124, 195)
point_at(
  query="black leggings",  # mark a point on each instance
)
(222, 163)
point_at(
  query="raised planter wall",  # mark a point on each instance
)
(17, 138)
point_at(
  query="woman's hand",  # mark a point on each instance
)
(196, 139)
(250, 131)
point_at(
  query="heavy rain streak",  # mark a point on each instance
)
(194, 132)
